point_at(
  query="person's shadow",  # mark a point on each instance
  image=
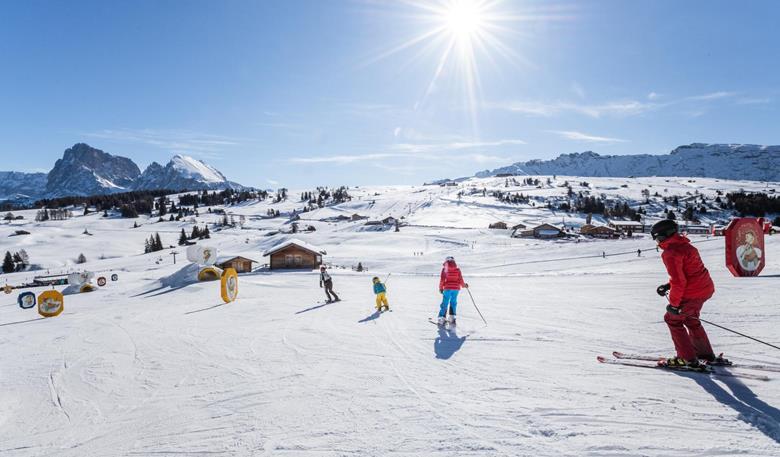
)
(371, 317)
(744, 401)
(447, 343)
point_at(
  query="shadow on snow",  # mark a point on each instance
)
(751, 409)
(447, 343)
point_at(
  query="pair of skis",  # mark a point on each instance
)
(638, 360)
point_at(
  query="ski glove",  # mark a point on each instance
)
(663, 289)
(673, 310)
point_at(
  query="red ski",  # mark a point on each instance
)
(747, 366)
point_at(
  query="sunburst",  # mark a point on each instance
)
(460, 34)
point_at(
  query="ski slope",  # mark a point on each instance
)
(149, 367)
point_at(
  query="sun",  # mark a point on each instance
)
(456, 38)
(463, 19)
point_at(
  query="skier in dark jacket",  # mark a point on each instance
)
(327, 282)
(689, 287)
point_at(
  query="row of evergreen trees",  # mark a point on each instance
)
(55, 214)
(17, 261)
(197, 234)
(753, 204)
(153, 244)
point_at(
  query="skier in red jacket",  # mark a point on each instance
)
(450, 282)
(689, 287)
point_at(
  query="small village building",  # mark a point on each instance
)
(498, 225)
(238, 263)
(628, 226)
(599, 231)
(696, 229)
(544, 232)
(294, 254)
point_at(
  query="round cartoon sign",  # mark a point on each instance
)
(202, 255)
(229, 285)
(26, 300)
(50, 303)
(101, 281)
(115, 277)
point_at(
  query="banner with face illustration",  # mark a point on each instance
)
(202, 255)
(50, 303)
(745, 254)
(229, 285)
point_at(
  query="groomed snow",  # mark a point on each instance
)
(156, 364)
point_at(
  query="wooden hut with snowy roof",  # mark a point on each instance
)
(294, 254)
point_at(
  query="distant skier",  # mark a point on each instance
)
(689, 287)
(327, 282)
(450, 282)
(381, 295)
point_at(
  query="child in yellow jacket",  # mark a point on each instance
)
(381, 295)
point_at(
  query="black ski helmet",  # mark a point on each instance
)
(663, 229)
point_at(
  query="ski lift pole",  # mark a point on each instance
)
(475, 306)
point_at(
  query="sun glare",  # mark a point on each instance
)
(458, 36)
(463, 19)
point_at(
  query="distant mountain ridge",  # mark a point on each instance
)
(84, 170)
(723, 161)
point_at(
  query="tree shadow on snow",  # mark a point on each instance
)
(447, 343)
(371, 317)
(744, 401)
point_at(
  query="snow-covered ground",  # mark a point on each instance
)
(144, 367)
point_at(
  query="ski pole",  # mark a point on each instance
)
(475, 306)
(726, 328)
(730, 330)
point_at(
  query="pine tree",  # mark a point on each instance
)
(158, 242)
(182, 238)
(81, 259)
(205, 233)
(8, 263)
(195, 233)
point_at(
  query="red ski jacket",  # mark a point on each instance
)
(451, 278)
(687, 275)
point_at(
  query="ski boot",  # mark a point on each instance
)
(440, 322)
(719, 361)
(680, 363)
(451, 320)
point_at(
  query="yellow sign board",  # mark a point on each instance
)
(50, 303)
(229, 285)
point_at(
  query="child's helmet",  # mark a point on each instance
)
(449, 259)
(322, 267)
(375, 279)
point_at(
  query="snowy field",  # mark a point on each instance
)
(137, 368)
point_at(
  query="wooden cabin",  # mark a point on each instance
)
(238, 263)
(295, 254)
(599, 231)
(498, 225)
(629, 226)
(544, 232)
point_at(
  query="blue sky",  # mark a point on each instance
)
(297, 93)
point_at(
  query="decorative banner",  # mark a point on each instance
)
(101, 281)
(229, 285)
(26, 300)
(87, 288)
(202, 255)
(745, 254)
(115, 277)
(80, 277)
(8, 289)
(50, 303)
(208, 274)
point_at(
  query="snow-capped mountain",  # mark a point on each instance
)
(21, 186)
(723, 161)
(183, 172)
(84, 170)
